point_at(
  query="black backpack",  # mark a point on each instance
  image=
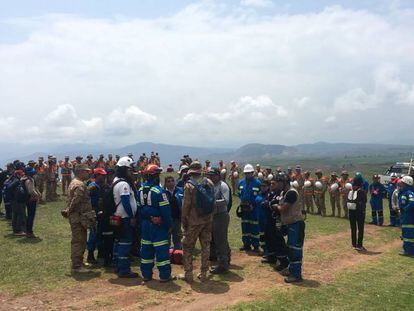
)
(109, 206)
(20, 192)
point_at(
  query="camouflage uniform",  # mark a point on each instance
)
(40, 177)
(51, 181)
(334, 196)
(66, 168)
(81, 217)
(320, 196)
(195, 227)
(344, 192)
(308, 196)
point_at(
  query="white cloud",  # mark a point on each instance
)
(187, 71)
(257, 3)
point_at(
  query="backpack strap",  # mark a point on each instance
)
(112, 190)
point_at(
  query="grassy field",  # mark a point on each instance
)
(27, 266)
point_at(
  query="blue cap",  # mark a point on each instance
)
(29, 171)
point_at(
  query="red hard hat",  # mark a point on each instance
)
(152, 169)
(99, 171)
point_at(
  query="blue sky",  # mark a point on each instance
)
(224, 73)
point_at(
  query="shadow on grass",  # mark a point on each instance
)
(236, 267)
(230, 277)
(369, 253)
(126, 282)
(308, 284)
(210, 287)
(30, 241)
(81, 277)
(169, 287)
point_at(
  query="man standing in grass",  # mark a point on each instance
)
(81, 216)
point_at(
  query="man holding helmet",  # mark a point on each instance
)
(320, 190)
(155, 226)
(293, 218)
(334, 195)
(406, 206)
(126, 209)
(345, 185)
(249, 188)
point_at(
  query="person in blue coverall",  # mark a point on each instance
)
(406, 206)
(249, 188)
(378, 192)
(126, 209)
(156, 222)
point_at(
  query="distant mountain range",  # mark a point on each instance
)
(171, 154)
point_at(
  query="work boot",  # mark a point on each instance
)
(131, 275)
(292, 279)
(218, 270)
(91, 259)
(202, 276)
(245, 248)
(282, 265)
(81, 269)
(187, 276)
(256, 250)
(269, 259)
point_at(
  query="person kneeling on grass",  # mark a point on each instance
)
(356, 204)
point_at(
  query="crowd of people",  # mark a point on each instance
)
(130, 209)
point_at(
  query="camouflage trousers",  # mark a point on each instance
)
(40, 184)
(320, 204)
(66, 179)
(344, 206)
(78, 244)
(191, 235)
(335, 204)
(308, 200)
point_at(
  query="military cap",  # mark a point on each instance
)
(307, 173)
(334, 174)
(213, 171)
(345, 173)
(90, 156)
(79, 157)
(82, 167)
(195, 168)
(298, 167)
(318, 171)
(208, 161)
(41, 158)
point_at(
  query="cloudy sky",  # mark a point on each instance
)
(219, 73)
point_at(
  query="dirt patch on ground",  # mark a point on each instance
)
(325, 256)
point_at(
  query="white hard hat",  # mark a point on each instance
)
(334, 187)
(269, 177)
(295, 184)
(348, 186)
(318, 185)
(248, 168)
(235, 174)
(408, 180)
(307, 183)
(223, 171)
(125, 162)
(260, 175)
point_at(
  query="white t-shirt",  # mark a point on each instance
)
(123, 188)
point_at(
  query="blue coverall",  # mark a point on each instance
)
(406, 205)
(154, 236)
(248, 191)
(261, 202)
(95, 237)
(123, 243)
(394, 218)
(376, 202)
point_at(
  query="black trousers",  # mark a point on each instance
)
(275, 242)
(357, 222)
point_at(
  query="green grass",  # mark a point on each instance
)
(386, 284)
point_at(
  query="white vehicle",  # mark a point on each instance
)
(397, 169)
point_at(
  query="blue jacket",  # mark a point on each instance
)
(406, 205)
(157, 204)
(95, 194)
(390, 191)
(248, 190)
(379, 189)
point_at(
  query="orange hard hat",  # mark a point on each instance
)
(152, 169)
